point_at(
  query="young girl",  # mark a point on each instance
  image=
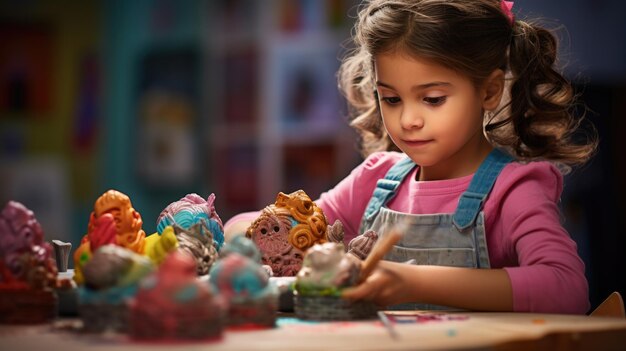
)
(460, 110)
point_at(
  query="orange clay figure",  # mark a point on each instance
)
(127, 221)
(113, 221)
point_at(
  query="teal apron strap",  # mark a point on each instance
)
(472, 199)
(386, 188)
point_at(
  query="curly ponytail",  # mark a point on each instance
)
(540, 123)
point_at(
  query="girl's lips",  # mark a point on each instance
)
(417, 143)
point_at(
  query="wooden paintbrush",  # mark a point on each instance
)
(380, 249)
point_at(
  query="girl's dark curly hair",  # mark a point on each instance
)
(473, 37)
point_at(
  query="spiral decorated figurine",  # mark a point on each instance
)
(286, 229)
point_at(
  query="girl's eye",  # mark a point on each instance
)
(394, 100)
(435, 101)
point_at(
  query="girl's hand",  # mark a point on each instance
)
(385, 286)
(465, 288)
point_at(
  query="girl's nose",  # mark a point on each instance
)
(411, 118)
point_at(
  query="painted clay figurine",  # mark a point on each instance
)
(112, 277)
(172, 304)
(197, 242)
(286, 229)
(190, 210)
(28, 273)
(198, 228)
(115, 221)
(325, 272)
(362, 245)
(243, 246)
(252, 300)
(157, 247)
(335, 232)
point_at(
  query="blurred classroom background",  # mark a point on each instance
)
(160, 98)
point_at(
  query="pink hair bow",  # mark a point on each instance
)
(506, 8)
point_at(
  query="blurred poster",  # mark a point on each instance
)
(306, 86)
(41, 184)
(25, 69)
(238, 87)
(235, 15)
(167, 118)
(311, 168)
(236, 175)
(87, 107)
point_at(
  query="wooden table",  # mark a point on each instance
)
(462, 331)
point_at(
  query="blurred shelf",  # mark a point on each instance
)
(276, 115)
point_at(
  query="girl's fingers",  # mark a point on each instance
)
(373, 287)
(370, 289)
(367, 290)
(356, 293)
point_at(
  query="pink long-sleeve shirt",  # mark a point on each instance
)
(522, 222)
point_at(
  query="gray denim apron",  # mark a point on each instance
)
(446, 239)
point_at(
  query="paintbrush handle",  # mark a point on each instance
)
(380, 249)
(388, 325)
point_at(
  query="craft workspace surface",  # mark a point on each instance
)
(174, 289)
(405, 331)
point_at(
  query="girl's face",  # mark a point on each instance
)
(433, 114)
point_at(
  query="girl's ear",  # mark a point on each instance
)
(492, 90)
